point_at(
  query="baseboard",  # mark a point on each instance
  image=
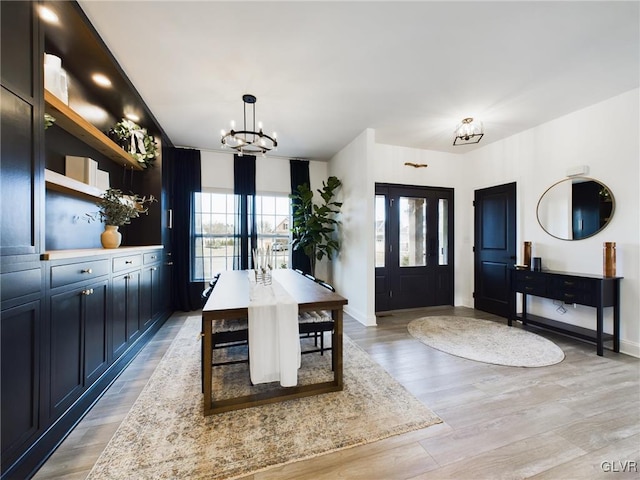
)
(360, 316)
(630, 348)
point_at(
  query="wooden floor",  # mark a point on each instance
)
(579, 419)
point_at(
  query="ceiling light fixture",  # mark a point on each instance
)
(101, 79)
(249, 141)
(468, 132)
(132, 116)
(48, 15)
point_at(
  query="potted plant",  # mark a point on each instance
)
(314, 225)
(117, 209)
(135, 140)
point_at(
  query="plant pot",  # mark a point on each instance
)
(111, 237)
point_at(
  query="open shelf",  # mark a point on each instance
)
(77, 126)
(564, 328)
(60, 183)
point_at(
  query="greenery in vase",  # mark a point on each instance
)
(139, 143)
(314, 225)
(118, 209)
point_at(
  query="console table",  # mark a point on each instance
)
(582, 289)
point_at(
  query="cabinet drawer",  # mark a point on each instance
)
(531, 283)
(18, 284)
(78, 272)
(573, 284)
(125, 263)
(152, 257)
(532, 288)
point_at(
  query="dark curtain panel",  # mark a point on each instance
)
(299, 176)
(246, 233)
(183, 166)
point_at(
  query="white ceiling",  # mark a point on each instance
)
(325, 71)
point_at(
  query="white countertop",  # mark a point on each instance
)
(93, 252)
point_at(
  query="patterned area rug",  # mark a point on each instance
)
(166, 436)
(486, 341)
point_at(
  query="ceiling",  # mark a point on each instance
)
(325, 71)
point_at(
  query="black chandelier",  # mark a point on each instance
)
(249, 141)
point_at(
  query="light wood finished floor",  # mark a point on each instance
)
(579, 419)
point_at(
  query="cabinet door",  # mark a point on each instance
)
(125, 324)
(118, 315)
(21, 187)
(20, 377)
(16, 42)
(66, 349)
(149, 294)
(133, 304)
(95, 332)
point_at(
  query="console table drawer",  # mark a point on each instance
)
(531, 283)
(532, 288)
(573, 284)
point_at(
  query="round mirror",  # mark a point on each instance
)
(575, 208)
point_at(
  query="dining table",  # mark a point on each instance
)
(231, 299)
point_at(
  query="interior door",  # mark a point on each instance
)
(495, 247)
(414, 247)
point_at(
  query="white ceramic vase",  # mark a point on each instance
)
(111, 237)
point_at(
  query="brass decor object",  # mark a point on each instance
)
(526, 258)
(609, 259)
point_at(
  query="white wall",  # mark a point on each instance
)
(605, 137)
(443, 170)
(272, 173)
(353, 273)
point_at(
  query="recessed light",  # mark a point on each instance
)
(133, 117)
(48, 15)
(101, 80)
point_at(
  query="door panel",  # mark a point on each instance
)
(413, 247)
(95, 333)
(495, 247)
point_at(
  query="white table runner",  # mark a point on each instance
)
(274, 339)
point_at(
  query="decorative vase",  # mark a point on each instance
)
(609, 259)
(111, 237)
(526, 259)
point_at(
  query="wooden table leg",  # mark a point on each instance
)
(337, 347)
(207, 359)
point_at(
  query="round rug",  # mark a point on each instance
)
(485, 341)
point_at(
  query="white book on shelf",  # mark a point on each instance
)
(83, 169)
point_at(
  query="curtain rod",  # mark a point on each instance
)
(233, 153)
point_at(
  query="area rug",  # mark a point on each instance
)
(485, 341)
(165, 434)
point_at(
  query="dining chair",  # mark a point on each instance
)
(316, 323)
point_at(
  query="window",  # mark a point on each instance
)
(213, 227)
(273, 219)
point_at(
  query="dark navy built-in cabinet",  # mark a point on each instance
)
(73, 315)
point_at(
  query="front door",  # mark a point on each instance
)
(414, 247)
(495, 247)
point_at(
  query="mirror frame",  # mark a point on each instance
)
(586, 179)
